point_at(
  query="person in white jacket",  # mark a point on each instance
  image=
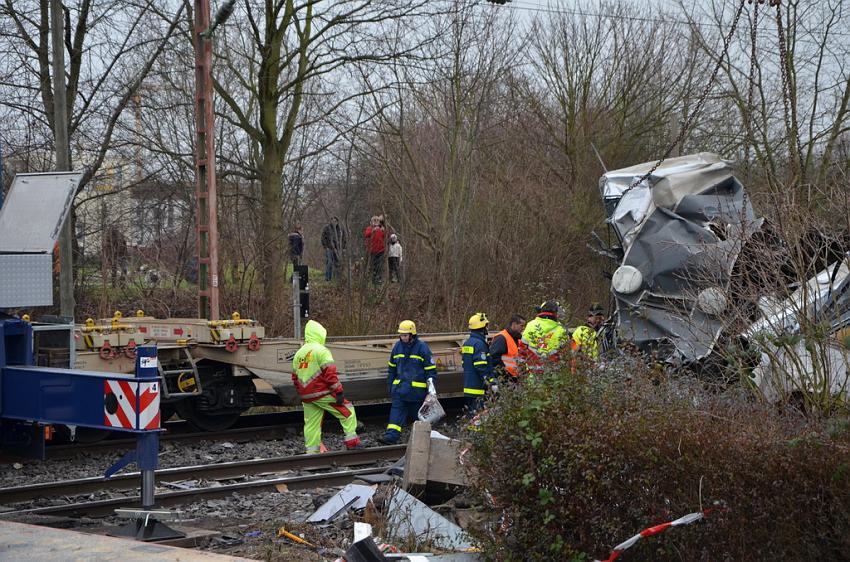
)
(395, 256)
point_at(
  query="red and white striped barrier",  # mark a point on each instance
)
(121, 411)
(686, 520)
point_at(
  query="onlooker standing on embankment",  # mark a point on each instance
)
(375, 235)
(333, 241)
(296, 246)
(394, 258)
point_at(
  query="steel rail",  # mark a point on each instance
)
(238, 435)
(233, 469)
(275, 426)
(171, 499)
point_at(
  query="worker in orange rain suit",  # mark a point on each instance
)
(315, 377)
(543, 338)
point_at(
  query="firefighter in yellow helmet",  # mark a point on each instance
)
(477, 369)
(410, 368)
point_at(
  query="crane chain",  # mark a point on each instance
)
(786, 89)
(749, 140)
(727, 41)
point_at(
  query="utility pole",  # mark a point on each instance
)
(205, 186)
(63, 155)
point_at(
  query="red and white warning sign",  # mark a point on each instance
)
(149, 405)
(119, 404)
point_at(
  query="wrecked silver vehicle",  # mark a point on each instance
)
(789, 363)
(681, 233)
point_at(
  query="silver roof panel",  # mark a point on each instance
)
(35, 208)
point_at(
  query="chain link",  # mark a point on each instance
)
(703, 96)
(749, 140)
(786, 89)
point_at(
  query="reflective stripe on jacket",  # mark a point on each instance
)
(408, 369)
(477, 370)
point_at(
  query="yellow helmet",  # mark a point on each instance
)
(407, 327)
(478, 321)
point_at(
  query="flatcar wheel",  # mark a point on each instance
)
(166, 411)
(205, 421)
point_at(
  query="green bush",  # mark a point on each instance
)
(579, 462)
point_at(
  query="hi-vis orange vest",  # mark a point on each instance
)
(509, 358)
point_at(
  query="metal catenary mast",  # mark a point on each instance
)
(205, 184)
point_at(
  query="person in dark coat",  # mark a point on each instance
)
(409, 369)
(296, 246)
(333, 241)
(504, 350)
(477, 368)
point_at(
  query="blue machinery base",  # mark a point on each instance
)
(34, 397)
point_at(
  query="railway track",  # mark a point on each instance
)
(252, 427)
(236, 435)
(238, 469)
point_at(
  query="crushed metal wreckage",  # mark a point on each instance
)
(789, 363)
(680, 232)
(683, 234)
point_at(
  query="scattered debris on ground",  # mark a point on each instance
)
(362, 521)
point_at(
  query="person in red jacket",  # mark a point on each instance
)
(376, 240)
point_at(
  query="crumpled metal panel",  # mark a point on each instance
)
(35, 209)
(682, 229)
(354, 496)
(811, 366)
(408, 517)
(673, 332)
(789, 370)
(825, 298)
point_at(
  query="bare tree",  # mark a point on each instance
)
(426, 151)
(271, 69)
(790, 84)
(109, 55)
